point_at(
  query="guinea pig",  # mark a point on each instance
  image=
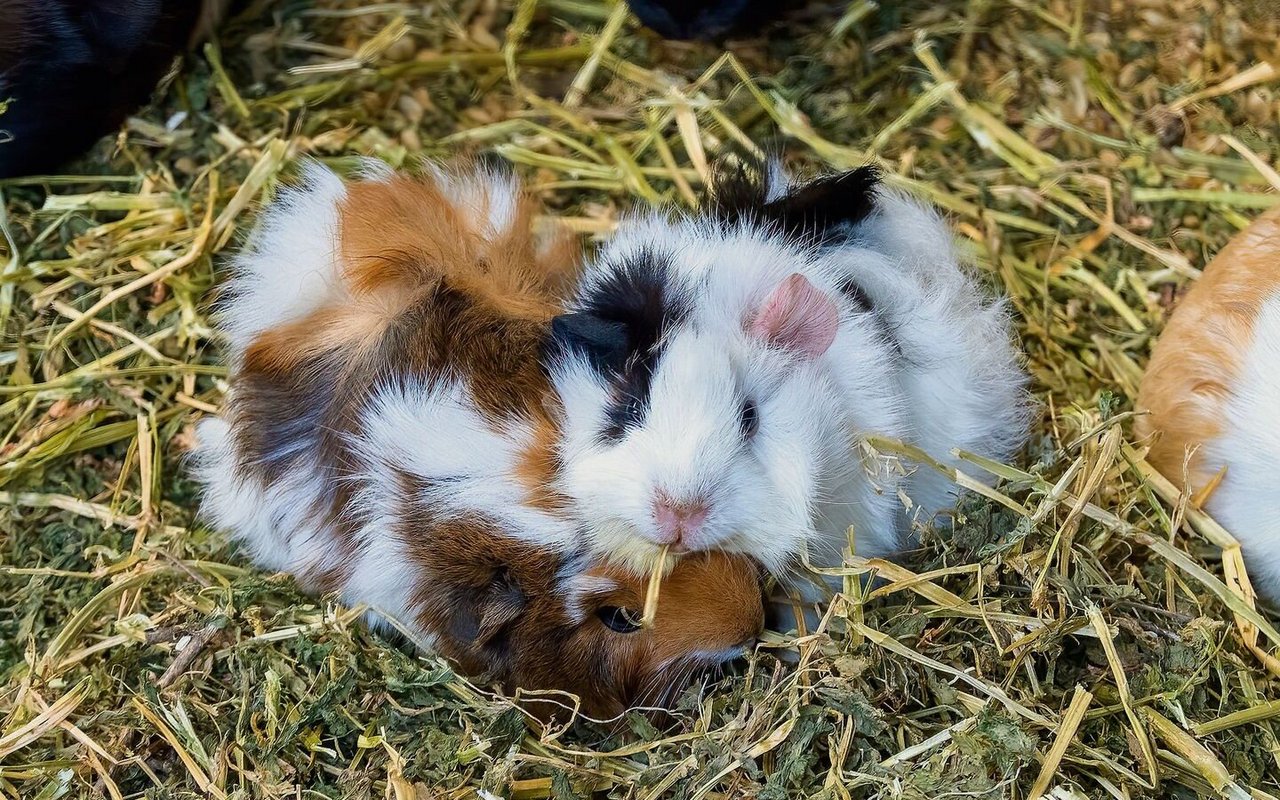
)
(72, 70)
(707, 20)
(534, 619)
(389, 435)
(1211, 391)
(719, 370)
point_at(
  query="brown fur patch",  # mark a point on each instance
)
(476, 302)
(539, 465)
(1197, 359)
(405, 232)
(427, 296)
(708, 602)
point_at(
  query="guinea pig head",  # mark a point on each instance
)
(699, 408)
(527, 618)
(587, 637)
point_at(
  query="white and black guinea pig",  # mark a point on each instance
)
(72, 70)
(1212, 393)
(719, 371)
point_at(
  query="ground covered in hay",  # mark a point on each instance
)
(1083, 632)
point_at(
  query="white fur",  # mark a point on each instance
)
(291, 268)
(488, 198)
(934, 365)
(578, 587)
(436, 434)
(276, 522)
(433, 434)
(959, 369)
(1247, 502)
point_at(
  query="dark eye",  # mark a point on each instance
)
(617, 618)
(750, 419)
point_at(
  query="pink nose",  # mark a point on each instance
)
(678, 522)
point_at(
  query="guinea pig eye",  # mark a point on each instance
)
(750, 419)
(619, 619)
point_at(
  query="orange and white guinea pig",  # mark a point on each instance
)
(390, 435)
(1212, 390)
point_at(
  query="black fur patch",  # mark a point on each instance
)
(862, 304)
(857, 296)
(603, 341)
(619, 325)
(708, 21)
(76, 68)
(281, 418)
(817, 211)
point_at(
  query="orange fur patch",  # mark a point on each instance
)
(1197, 359)
(538, 467)
(406, 233)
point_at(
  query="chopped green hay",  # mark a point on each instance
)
(1082, 632)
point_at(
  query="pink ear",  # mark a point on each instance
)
(798, 317)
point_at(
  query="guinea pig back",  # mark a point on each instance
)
(1212, 388)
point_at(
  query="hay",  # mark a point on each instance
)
(653, 590)
(1084, 631)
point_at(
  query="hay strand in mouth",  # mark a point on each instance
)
(655, 585)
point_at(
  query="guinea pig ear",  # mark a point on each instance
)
(825, 203)
(817, 210)
(502, 606)
(604, 342)
(798, 317)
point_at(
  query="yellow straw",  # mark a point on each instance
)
(655, 581)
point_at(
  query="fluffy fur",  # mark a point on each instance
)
(1211, 390)
(388, 437)
(738, 390)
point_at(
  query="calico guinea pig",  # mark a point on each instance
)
(1212, 389)
(72, 70)
(389, 434)
(719, 370)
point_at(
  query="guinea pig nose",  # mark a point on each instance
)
(678, 521)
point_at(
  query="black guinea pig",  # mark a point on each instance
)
(72, 70)
(707, 20)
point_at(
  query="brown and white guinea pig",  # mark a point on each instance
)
(72, 70)
(718, 371)
(533, 619)
(390, 434)
(1212, 390)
